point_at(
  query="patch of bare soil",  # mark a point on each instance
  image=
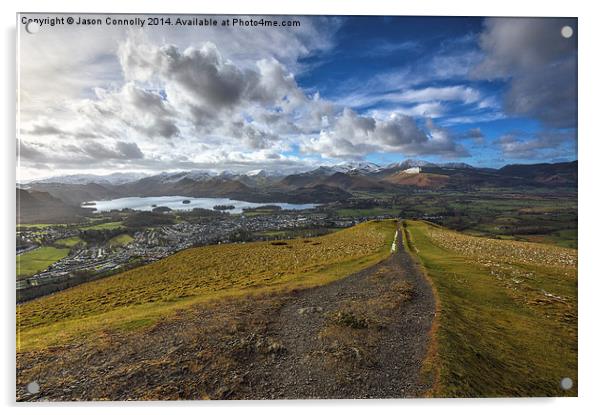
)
(364, 336)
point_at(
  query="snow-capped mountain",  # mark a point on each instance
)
(257, 173)
(196, 175)
(114, 178)
(409, 163)
(364, 168)
(357, 166)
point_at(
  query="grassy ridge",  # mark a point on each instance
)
(38, 260)
(142, 295)
(508, 313)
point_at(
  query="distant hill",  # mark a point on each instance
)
(114, 178)
(320, 185)
(544, 173)
(41, 207)
(424, 180)
(76, 194)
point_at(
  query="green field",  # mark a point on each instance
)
(376, 211)
(39, 225)
(38, 260)
(120, 240)
(68, 242)
(507, 318)
(102, 226)
(199, 274)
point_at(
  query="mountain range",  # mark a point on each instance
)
(321, 185)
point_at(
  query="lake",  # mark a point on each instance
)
(176, 203)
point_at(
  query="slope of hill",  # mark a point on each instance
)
(544, 173)
(144, 294)
(507, 318)
(322, 185)
(110, 179)
(76, 194)
(361, 336)
(423, 180)
(41, 207)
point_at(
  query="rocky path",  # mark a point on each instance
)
(383, 361)
(364, 336)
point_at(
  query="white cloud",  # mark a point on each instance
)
(540, 64)
(354, 136)
(212, 101)
(542, 145)
(460, 93)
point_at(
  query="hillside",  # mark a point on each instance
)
(362, 336)
(507, 318)
(322, 185)
(544, 173)
(422, 180)
(142, 295)
(41, 207)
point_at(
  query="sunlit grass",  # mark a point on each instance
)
(120, 240)
(38, 260)
(200, 274)
(68, 242)
(102, 226)
(508, 313)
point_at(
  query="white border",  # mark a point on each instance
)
(590, 292)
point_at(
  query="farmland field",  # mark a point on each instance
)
(120, 240)
(38, 260)
(507, 324)
(37, 225)
(143, 295)
(68, 242)
(102, 226)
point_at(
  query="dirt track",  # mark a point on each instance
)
(392, 370)
(364, 336)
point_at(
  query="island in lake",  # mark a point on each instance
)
(224, 207)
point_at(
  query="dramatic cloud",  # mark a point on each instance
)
(131, 107)
(540, 64)
(87, 152)
(354, 136)
(209, 88)
(474, 134)
(543, 145)
(248, 98)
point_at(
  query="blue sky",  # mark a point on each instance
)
(484, 91)
(378, 57)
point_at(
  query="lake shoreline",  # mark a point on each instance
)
(184, 203)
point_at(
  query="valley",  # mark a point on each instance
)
(402, 281)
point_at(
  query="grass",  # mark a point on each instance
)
(507, 324)
(377, 211)
(39, 225)
(196, 275)
(68, 242)
(564, 238)
(38, 260)
(102, 226)
(120, 240)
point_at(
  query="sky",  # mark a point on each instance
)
(484, 91)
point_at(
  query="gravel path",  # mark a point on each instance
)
(402, 344)
(364, 336)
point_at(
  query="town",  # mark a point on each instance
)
(95, 259)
